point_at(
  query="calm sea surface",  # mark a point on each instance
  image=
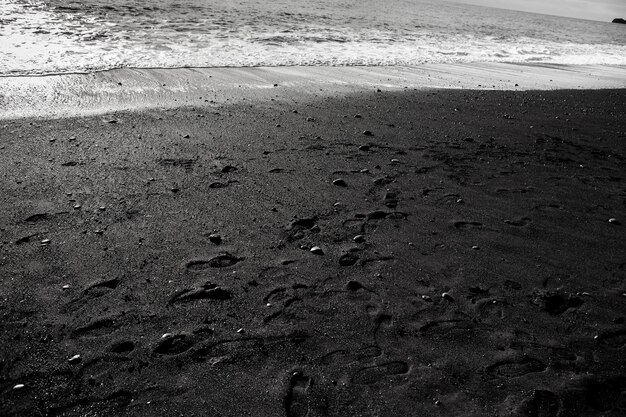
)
(53, 36)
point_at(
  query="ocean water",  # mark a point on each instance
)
(64, 36)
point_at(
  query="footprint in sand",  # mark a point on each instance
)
(556, 302)
(373, 374)
(462, 224)
(122, 347)
(222, 260)
(517, 368)
(615, 338)
(99, 327)
(282, 298)
(40, 217)
(186, 164)
(346, 356)
(297, 398)
(348, 259)
(206, 291)
(299, 228)
(174, 345)
(92, 291)
(523, 221)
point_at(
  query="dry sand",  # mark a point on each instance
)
(466, 266)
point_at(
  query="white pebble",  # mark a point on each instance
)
(317, 250)
(241, 330)
(166, 335)
(475, 247)
(447, 296)
(74, 359)
(18, 386)
(613, 220)
(45, 242)
(66, 287)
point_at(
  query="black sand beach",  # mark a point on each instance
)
(471, 258)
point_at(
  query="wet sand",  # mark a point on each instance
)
(430, 252)
(71, 95)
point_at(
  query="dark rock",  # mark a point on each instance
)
(354, 286)
(619, 20)
(215, 238)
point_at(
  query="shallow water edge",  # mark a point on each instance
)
(82, 94)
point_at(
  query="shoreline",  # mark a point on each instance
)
(67, 95)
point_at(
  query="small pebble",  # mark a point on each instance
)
(241, 330)
(18, 386)
(102, 208)
(364, 171)
(475, 247)
(368, 133)
(74, 359)
(359, 238)
(364, 148)
(77, 206)
(316, 250)
(66, 287)
(166, 335)
(447, 296)
(427, 298)
(437, 403)
(395, 161)
(460, 200)
(613, 220)
(45, 242)
(340, 183)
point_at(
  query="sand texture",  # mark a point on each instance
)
(418, 253)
